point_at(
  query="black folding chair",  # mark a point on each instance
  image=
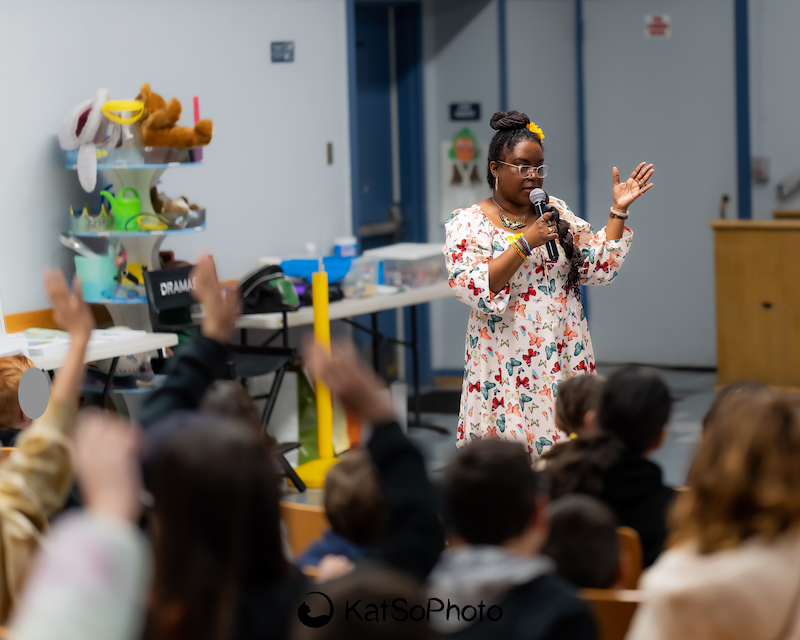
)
(171, 290)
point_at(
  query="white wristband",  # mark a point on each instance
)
(618, 214)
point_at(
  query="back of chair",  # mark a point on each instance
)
(630, 549)
(613, 610)
(168, 289)
(305, 523)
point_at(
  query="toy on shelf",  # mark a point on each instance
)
(126, 209)
(179, 212)
(159, 119)
(87, 129)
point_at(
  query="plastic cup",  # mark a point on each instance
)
(98, 276)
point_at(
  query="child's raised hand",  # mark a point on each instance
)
(221, 305)
(106, 459)
(350, 380)
(70, 311)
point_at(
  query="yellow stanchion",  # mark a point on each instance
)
(313, 472)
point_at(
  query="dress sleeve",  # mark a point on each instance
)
(467, 251)
(602, 258)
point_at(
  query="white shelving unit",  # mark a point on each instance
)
(140, 168)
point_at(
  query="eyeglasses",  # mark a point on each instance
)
(527, 171)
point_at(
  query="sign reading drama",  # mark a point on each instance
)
(465, 111)
(174, 287)
(282, 51)
(657, 26)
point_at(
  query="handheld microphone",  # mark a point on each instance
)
(539, 200)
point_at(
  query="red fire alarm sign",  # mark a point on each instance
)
(657, 26)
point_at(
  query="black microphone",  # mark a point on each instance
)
(539, 200)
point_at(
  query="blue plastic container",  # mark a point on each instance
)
(336, 267)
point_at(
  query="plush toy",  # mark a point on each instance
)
(179, 212)
(157, 124)
(87, 129)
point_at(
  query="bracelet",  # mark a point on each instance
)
(618, 214)
(518, 249)
(517, 240)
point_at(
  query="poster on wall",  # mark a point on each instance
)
(462, 181)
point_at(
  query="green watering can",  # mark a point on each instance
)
(126, 210)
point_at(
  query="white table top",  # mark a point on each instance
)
(121, 347)
(348, 307)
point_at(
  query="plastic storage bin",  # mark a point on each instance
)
(410, 264)
(337, 268)
(362, 279)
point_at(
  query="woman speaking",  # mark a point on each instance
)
(527, 331)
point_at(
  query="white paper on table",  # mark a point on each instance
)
(105, 336)
(12, 344)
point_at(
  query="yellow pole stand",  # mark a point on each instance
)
(313, 472)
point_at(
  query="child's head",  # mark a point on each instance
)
(11, 370)
(354, 503)
(634, 406)
(744, 481)
(576, 403)
(216, 521)
(739, 389)
(490, 492)
(231, 400)
(583, 542)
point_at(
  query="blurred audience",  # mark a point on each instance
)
(583, 542)
(576, 404)
(12, 419)
(612, 464)
(355, 508)
(731, 570)
(35, 480)
(495, 516)
(575, 411)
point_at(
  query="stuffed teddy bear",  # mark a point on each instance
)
(157, 124)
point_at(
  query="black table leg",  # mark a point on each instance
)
(415, 368)
(376, 343)
(109, 381)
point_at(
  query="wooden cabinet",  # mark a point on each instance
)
(757, 265)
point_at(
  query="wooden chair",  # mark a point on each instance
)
(305, 523)
(613, 610)
(630, 549)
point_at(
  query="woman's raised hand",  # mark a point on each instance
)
(543, 230)
(624, 193)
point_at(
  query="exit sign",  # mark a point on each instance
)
(657, 26)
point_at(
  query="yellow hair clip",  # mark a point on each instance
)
(537, 131)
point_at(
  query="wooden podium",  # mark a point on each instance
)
(757, 265)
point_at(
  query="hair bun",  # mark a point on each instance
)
(503, 120)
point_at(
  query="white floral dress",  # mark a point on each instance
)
(523, 341)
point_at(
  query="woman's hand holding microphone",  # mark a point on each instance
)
(541, 231)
